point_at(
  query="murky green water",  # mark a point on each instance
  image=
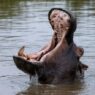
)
(25, 22)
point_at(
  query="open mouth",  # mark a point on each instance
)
(60, 22)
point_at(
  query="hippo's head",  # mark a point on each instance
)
(62, 20)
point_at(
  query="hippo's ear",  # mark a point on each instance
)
(26, 66)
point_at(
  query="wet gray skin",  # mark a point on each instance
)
(61, 63)
(25, 23)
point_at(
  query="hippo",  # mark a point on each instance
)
(58, 61)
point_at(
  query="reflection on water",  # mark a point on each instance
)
(68, 89)
(25, 22)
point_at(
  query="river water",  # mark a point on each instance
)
(25, 22)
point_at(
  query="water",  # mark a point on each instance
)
(25, 22)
